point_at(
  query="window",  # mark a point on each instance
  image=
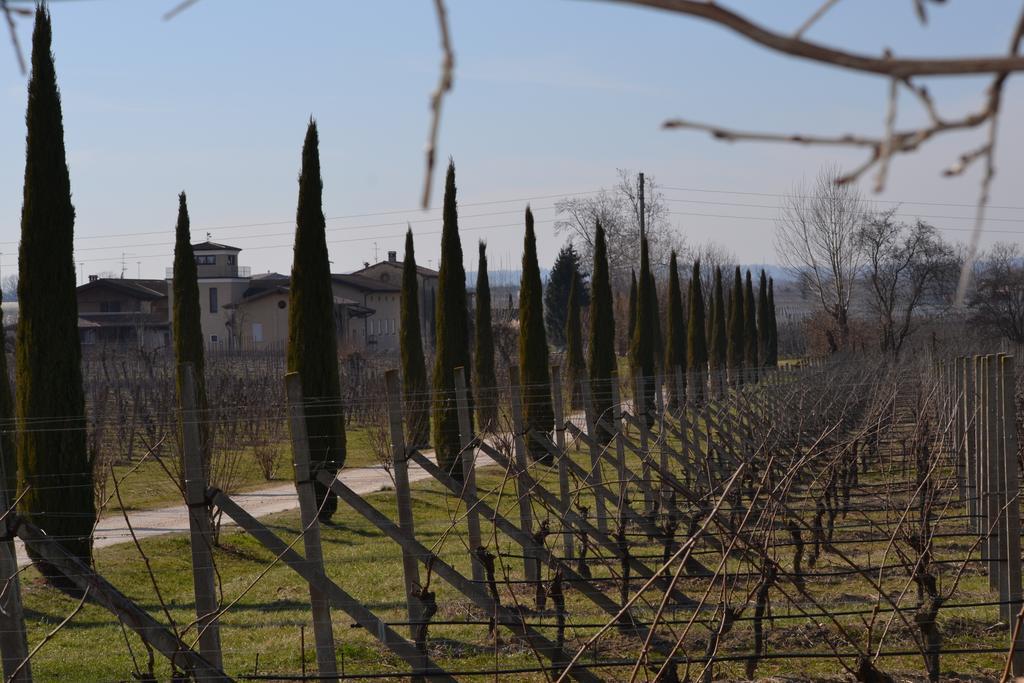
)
(213, 299)
(213, 339)
(206, 260)
(231, 259)
(110, 307)
(257, 333)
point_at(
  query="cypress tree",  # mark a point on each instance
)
(415, 389)
(696, 342)
(642, 345)
(312, 332)
(188, 331)
(734, 354)
(486, 379)
(534, 375)
(750, 341)
(675, 341)
(453, 334)
(773, 346)
(576, 367)
(717, 331)
(764, 326)
(659, 340)
(718, 353)
(54, 470)
(8, 455)
(603, 368)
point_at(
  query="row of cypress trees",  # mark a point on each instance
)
(689, 343)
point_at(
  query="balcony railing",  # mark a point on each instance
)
(243, 271)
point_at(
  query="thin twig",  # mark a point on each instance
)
(444, 85)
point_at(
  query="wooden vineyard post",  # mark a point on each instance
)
(971, 415)
(400, 465)
(468, 472)
(659, 402)
(999, 489)
(522, 482)
(200, 531)
(620, 450)
(13, 641)
(640, 409)
(991, 472)
(563, 453)
(323, 631)
(595, 478)
(1012, 487)
(967, 411)
(959, 451)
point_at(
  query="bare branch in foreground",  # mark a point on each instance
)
(444, 85)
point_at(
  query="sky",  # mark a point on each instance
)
(550, 98)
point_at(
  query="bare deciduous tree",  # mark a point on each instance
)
(998, 301)
(816, 237)
(908, 267)
(618, 211)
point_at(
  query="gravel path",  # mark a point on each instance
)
(259, 503)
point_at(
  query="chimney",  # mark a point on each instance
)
(94, 278)
(366, 264)
(393, 256)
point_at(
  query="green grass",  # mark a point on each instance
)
(146, 485)
(267, 621)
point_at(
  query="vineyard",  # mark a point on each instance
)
(821, 520)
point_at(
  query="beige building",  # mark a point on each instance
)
(260, 320)
(377, 331)
(390, 271)
(239, 311)
(221, 282)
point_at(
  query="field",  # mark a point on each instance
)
(869, 590)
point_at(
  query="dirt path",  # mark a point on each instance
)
(259, 503)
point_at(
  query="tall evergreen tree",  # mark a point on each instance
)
(659, 339)
(642, 345)
(415, 389)
(575, 366)
(486, 379)
(8, 454)
(675, 341)
(54, 470)
(734, 356)
(312, 331)
(564, 272)
(534, 374)
(773, 347)
(188, 331)
(603, 368)
(764, 326)
(696, 341)
(750, 341)
(453, 334)
(718, 345)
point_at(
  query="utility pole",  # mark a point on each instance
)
(642, 226)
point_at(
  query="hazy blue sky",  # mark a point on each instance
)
(550, 98)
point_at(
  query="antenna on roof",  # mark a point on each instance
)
(209, 237)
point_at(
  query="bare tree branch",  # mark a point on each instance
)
(9, 16)
(444, 85)
(797, 47)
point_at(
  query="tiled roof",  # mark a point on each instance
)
(367, 284)
(213, 246)
(145, 290)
